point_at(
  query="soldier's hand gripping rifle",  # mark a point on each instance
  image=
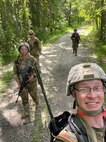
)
(25, 81)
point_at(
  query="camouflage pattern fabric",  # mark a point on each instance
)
(31, 89)
(20, 68)
(75, 41)
(35, 47)
(75, 37)
(75, 46)
(94, 134)
(83, 72)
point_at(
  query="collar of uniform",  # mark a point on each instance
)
(85, 114)
(28, 56)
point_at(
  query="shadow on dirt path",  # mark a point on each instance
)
(55, 62)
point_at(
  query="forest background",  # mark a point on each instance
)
(48, 18)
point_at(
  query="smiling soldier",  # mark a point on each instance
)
(86, 83)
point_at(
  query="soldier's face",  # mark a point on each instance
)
(31, 35)
(90, 95)
(24, 50)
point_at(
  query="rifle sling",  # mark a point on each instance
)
(77, 128)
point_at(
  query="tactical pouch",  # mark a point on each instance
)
(57, 124)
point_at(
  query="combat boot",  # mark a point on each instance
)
(26, 115)
(26, 120)
(75, 53)
(25, 112)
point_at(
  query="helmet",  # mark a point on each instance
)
(84, 72)
(75, 29)
(23, 44)
(31, 32)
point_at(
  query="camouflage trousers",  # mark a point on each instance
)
(75, 47)
(35, 54)
(31, 89)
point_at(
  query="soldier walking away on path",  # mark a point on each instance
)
(23, 62)
(86, 84)
(75, 37)
(35, 45)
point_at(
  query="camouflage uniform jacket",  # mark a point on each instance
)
(21, 66)
(35, 46)
(91, 134)
(75, 37)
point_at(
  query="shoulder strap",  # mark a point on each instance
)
(105, 128)
(77, 128)
(17, 60)
(34, 61)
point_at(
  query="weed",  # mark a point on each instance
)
(5, 80)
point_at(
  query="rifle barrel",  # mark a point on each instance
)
(43, 91)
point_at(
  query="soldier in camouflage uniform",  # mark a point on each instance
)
(86, 83)
(35, 46)
(75, 41)
(21, 65)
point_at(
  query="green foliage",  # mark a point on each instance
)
(45, 17)
(51, 37)
(0, 61)
(14, 25)
(100, 51)
(5, 80)
(49, 16)
(38, 133)
(87, 36)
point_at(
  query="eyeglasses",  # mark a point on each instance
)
(23, 49)
(30, 34)
(87, 90)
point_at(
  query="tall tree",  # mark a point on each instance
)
(103, 21)
(14, 25)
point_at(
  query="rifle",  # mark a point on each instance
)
(56, 123)
(43, 90)
(24, 82)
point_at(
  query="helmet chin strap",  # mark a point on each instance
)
(100, 112)
(91, 113)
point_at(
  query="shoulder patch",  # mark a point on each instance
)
(67, 136)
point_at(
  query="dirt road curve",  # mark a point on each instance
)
(56, 61)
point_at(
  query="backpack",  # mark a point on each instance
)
(76, 36)
(71, 122)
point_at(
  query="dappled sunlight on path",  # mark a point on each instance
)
(56, 61)
(6, 68)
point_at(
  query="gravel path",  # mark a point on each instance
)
(56, 61)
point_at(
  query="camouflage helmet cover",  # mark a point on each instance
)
(31, 32)
(75, 29)
(23, 44)
(84, 72)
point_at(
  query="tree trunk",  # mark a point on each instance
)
(69, 18)
(102, 21)
(35, 12)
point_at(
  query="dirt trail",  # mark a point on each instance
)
(56, 62)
